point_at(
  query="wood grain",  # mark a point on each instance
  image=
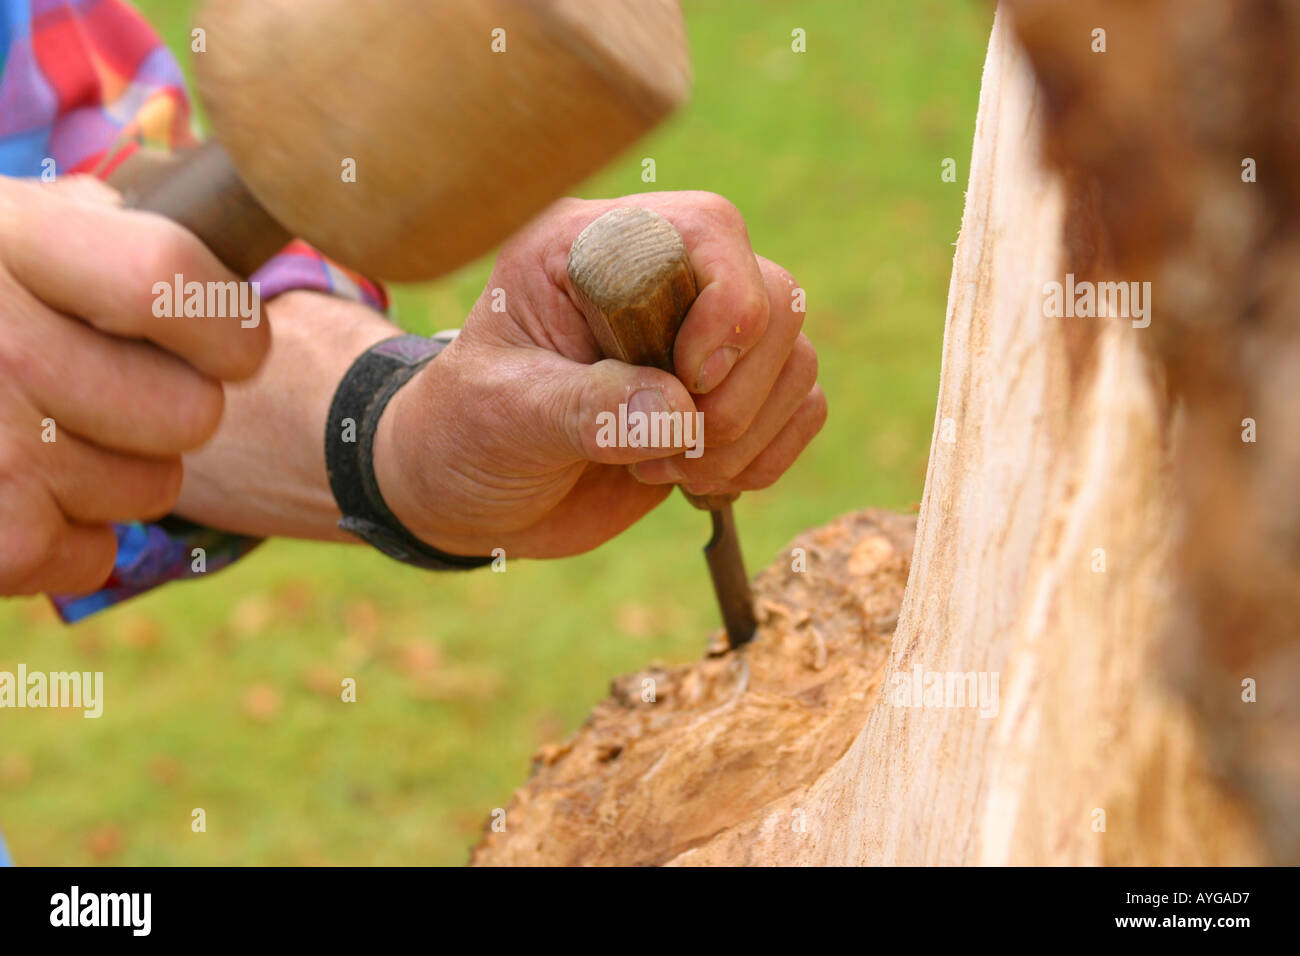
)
(634, 284)
(1060, 445)
(1094, 533)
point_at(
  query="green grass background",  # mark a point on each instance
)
(223, 694)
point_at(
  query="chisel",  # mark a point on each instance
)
(634, 284)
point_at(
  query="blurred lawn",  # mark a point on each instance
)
(224, 694)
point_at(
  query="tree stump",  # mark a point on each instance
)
(674, 757)
(1097, 546)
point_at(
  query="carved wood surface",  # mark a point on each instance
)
(1060, 567)
(1051, 449)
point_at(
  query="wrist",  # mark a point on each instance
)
(397, 478)
(360, 403)
(231, 483)
(410, 452)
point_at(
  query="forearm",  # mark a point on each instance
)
(263, 473)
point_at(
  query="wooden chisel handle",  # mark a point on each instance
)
(634, 284)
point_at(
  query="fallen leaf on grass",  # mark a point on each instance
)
(262, 702)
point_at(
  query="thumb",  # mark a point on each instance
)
(613, 413)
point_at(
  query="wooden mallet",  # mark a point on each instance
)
(459, 120)
(634, 284)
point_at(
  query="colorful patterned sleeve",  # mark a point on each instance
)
(83, 84)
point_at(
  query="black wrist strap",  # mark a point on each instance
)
(359, 401)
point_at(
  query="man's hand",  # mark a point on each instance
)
(494, 443)
(98, 397)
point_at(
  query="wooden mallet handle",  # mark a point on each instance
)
(201, 190)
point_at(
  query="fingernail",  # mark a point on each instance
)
(658, 471)
(716, 367)
(701, 491)
(648, 401)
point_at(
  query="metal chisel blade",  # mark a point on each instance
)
(730, 582)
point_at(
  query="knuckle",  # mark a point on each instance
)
(785, 275)
(804, 362)
(578, 412)
(196, 412)
(752, 307)
(812, 413)
(570, 205)
(162, 488)
(247, 349)
(721, 210)
(161, 260)
(15, 465)
(820, 407)
(144, 269)
(726, 425)
(23, 322)
(175, 251)
(722, 470)
(99, 560)
(28, 549)
(708, 469)
(760, 475)
(789, 289)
